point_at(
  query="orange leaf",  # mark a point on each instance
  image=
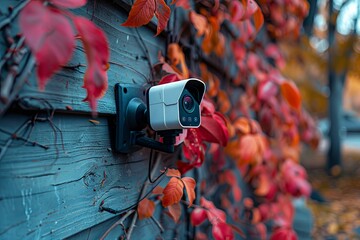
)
(258, 19)
(145, 208)
(242, 125)
(141, 13)
(177, 57)
(97, 55)
(224, 102)
(163, 14)
(158, 190)
(263, 185)
(199, 21)
(175, 211)
(291, 94)
(172, 192)
(190, 185)
(173, 173)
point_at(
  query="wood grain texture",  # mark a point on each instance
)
(42, 196)
(128, 60)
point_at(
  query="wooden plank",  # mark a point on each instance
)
(45, 196)
(128, 60)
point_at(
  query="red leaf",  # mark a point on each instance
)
(69, 3)
(193, 150)
(50, 37)
(141, 13)
(198, 216)
(163, 14)
(213, 129)
(261, 229)
(172, 192)
(283, 234)
(250, 8)
(175, 211)
(291, 94)
(145, 208)
(173, 173)
(97, 55)
(294, 179)
(237, 11)
(214, 214)
(169, 78)
(266, 90)
(181, 3)
(190, 185)
(222, 231)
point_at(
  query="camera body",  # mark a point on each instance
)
(175, 105)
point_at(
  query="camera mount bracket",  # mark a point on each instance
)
(132, 119)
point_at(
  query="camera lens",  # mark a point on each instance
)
(188, 103)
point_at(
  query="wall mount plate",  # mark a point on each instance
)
(130, 119)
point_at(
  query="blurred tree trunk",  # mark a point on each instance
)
(335, 100)
(309, 20)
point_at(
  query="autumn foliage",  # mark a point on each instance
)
(48, 28)
(252, 122)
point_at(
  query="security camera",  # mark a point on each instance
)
(170, 108)
(175, 105)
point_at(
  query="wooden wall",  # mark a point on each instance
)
(52, 189)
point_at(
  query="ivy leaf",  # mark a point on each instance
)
(284, 233)
(181, 3)
(172, 192)
(50, 37)
(175, 211)
(173, 173)
(213, 129)
(291, 94)
(222, 231)
(199, 21)
(190, 185)
(214, 214)
(198, 216)
(69, 3)
(142, 11)
(145, 208)
(163, 14)
(97, 55)
(158, 190)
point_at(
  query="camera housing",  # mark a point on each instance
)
(175, 105)
(166, 108)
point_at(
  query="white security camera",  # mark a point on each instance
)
(175, 105)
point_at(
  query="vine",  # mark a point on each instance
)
(256, 136)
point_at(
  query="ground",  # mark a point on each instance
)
(339, 216)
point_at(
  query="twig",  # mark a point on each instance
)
(119, 222)
(25, 140)
(147, 54)
(132, 69)
(158, 224)
(193, 205)
(11, 139)
(132, 226)
(15, 11)
(22, 77)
